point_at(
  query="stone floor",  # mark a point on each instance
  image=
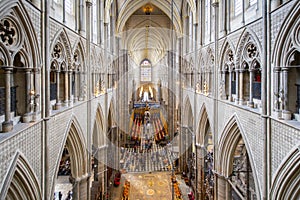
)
(63, 185)
(149, 186)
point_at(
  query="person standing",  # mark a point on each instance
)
(60, 195)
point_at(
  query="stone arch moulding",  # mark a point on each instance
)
(188, 110)
(246, 36)
(76, 144)
(204, 119)
(4, 55)
(125, 13)
(99, 123)
(111, 110)
(62, 38)
(79, 46)
(227, 45)
(15, 11)
(20, 181)
(283, 40)
(286, 181)
(228, 139)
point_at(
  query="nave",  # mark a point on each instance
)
(151, 186)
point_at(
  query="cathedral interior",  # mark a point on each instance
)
(150, 99)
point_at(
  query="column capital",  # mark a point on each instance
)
(27, 70)
(215, 3)
(89, 3)
(240, 70)
(276, 69)
(7, 68)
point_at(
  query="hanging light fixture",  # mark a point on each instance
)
(148, 9)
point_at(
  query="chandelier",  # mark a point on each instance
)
(148, 9)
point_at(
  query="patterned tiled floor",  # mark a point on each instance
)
(149, 186)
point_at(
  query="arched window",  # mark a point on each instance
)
(252, 2)
(238, 7)
(207, 20)
(241, 177)
(69, 6)
(95, 21)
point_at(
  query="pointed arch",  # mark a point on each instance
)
(77, 149)
(209, 57)
(111, 113)
(5, 59)
(62, 37)
(246, 37)
(75, 143)
(286, 36)
(15, 10)
(98, 137)
(286, 184)
(79, 51)
(188, 116)
(227, 46)
(129, 7)
(203, 125)
(231, 135)
(21, 181)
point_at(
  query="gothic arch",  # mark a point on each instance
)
(130, 7)
(111, 118)
(226, 47)
(287, 37)
(204, 122)
(75, 143)
(21, 181)
(231, 135)
(286, 184)
(78, 54)
(188, 116)
(247, 37)
(15, 14)
(5, 59)
(98, 137)
(62, 38)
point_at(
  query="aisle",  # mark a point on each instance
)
(149, 186)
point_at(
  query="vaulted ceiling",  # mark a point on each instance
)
(145, 26)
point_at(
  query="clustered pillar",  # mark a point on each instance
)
(7, 125)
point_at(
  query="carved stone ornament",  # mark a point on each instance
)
(8, 32)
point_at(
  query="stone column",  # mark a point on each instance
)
(66, 98)
(37, 78)
(7, 125)
(26, 117)
(81, 17)
(237, 86)
(70, 88)
(64, 10)
(76, 85)
(250, 103)
(223, 18)
(241, 80)
(286, 114)
(230, 86)
(221, 187)
(276, 104)
(77, 19)
(58, 103)
(223, 85)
